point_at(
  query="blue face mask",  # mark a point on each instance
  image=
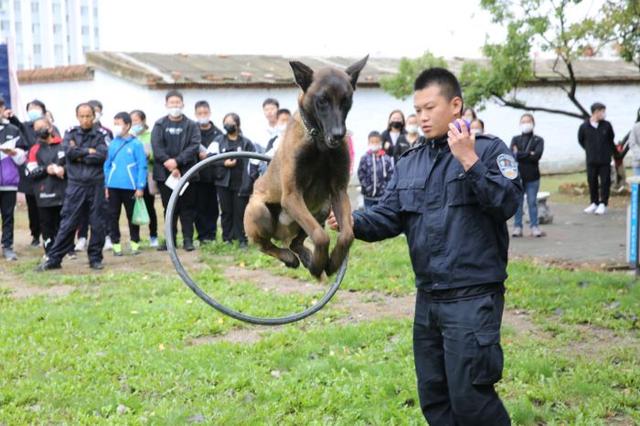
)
(34, 114)
(136, 129)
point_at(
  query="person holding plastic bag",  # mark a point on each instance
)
(125, 171)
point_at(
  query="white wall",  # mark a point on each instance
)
(370, 110)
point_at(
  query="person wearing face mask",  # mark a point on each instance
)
(207, 210)
(175, 140)
(596, 137)
(392, 135)
(234, 179)
(477, 127)
(374, 171)
(125, 172)
(85, 151)
(140, 130)
(527, 148)
(46, 166)
(469, 115)
(284, 116)
(413, 131)
(12, 156)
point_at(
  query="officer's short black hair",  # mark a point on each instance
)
(374, 134)
(598, 106)
(202, 104)
(283, 111)
(271, 101)
(173, 93)
(448, 83)
(85, 104)
(96, 104)
(37, 103)
(124, 116)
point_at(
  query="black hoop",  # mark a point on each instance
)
(171, 248)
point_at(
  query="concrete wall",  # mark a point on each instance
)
(370, 110)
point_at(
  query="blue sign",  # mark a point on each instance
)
(633, 228)
(5, 83)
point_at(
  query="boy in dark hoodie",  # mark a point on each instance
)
(374, 171)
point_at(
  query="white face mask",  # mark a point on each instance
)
(203, 121)
(97, 117)
(526, 127)
(175, 112)
(117, 130)
(412, 128)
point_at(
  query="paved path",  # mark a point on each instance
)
(577, 237)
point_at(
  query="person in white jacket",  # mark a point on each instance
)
(634, 146)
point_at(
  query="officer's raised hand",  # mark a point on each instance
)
(462, 144)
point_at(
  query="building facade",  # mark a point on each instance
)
(49, 33)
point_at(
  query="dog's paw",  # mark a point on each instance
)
(292, 262)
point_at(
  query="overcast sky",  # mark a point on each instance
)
(296, 27)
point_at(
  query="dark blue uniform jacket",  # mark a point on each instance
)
(455, 222)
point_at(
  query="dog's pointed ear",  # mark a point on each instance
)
(302, 74)
(354, 70)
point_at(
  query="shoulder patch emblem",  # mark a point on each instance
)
(508, 166)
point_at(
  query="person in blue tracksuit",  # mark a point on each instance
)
(125, 173)
(452, 196)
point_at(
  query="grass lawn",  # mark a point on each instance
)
(132, 345)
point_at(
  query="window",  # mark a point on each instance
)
(57, 28)
(84, 11)
(85, 30)
(37, 49)
(35, 7)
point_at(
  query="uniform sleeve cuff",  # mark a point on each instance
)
(477, 171)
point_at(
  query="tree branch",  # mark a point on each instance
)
(522, 106)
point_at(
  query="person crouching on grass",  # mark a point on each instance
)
(125, 172)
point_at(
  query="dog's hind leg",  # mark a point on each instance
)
(297, 246)
(259, 224)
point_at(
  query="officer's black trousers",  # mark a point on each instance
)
(232, 206)
(206, 210)
(7, 208)
(49, 225)
(118, 198)
(599, 193)
(76, 199)
(458, 358)
(185, 210)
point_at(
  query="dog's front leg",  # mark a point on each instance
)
(293, 203)
(342, 210)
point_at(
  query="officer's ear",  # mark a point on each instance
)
(456, 104)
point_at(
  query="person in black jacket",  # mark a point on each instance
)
(85, 151)
(207, 210)
(393, 137)
(596, 136)
(175, 140)
(527, 148)
(46, 168)
(234, 179)
(452, 196)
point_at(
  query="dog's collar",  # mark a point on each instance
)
(311, 130)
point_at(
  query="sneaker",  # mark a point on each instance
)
(117, 249)
(81, 244)
(591, 209)
(536, 232)
(517, 232)
(47, 266)
(97, 265)
(9, 254)
(35, 242)
(107, 243)
(71, 255)
(153, 242)
(602, 209)
(188, 245)
(135, 248)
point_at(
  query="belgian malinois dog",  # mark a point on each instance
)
(309, 175)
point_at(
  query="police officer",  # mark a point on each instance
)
(85, 151)
(452, 196)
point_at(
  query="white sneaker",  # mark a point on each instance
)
(81, 244)
(153, 242)
(591, 209)
(107, 243)
(602, 209)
